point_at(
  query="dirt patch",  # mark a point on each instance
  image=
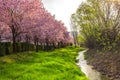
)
(107, 63)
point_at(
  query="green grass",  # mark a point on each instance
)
(54, 65)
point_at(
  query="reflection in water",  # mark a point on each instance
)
(87, 69)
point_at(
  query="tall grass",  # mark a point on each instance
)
(55, 65)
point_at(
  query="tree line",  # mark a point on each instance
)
(99, 24)
(27, 25)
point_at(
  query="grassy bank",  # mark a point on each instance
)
(54, 65)
(106, 62)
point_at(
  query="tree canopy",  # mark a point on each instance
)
(99, 23)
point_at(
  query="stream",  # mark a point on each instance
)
(87, 69)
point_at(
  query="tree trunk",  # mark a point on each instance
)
(37, 47)
(14, 43)
(47, 45)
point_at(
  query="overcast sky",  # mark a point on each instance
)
(62, 9)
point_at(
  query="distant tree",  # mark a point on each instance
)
(74, 29)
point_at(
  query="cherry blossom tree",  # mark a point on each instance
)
(27, 21)
(4, 32)
(17, 14)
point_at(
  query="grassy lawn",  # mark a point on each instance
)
(54, 65)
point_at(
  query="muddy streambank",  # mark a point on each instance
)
(107, 63)
(91, 73)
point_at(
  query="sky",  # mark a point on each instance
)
(62, 9)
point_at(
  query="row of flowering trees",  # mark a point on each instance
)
(27, 21)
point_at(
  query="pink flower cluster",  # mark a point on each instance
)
(29, 21)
